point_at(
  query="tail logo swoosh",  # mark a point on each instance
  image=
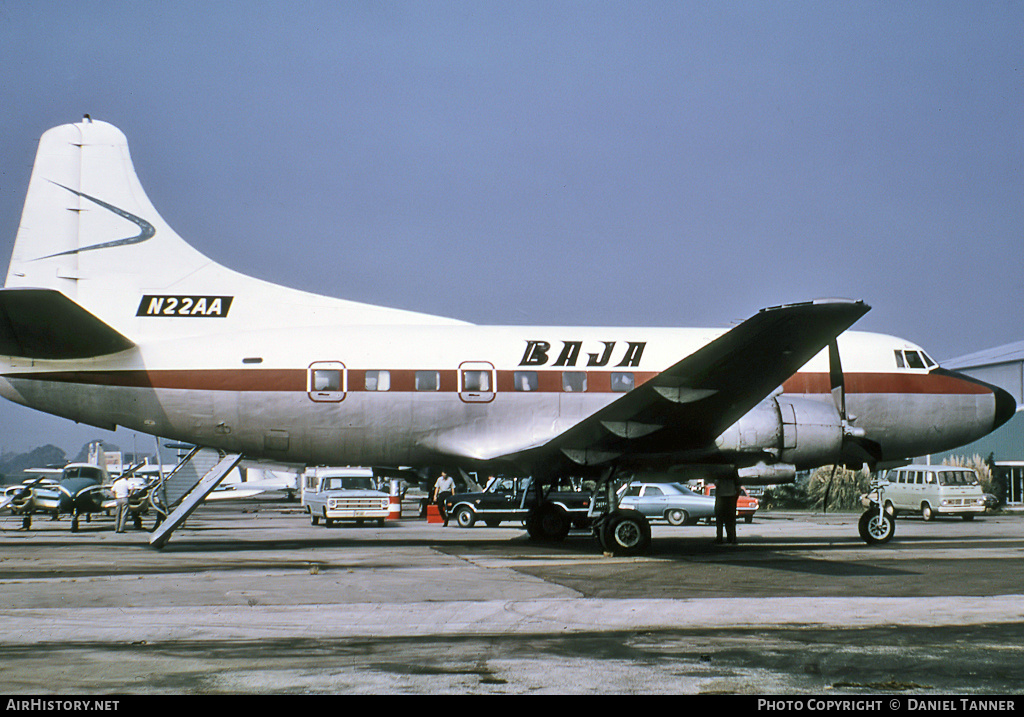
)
(146, 233)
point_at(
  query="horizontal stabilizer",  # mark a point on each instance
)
(45, 324)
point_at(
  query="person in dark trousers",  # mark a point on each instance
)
(444, 488)
(122, 490)
(727, 491)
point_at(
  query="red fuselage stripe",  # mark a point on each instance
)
(294, 380)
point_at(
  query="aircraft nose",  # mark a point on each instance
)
(1006, 406)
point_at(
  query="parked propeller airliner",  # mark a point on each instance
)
(109, 318)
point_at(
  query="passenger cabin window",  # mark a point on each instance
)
(378, 380)
(574, 381)
(326, 380)
(525, 380)
(476, 381)
(622, 382)
(428, 381)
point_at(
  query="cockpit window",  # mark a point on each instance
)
(83, 472)
(914, 359)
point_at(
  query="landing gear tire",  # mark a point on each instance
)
(876, 528)
(548, 523)
(625, 533)
(74, 524)
(676, 517)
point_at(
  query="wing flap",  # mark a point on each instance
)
(45, 324)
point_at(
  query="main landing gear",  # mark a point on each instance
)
(548, 522)
(623, 532)
(618, 532)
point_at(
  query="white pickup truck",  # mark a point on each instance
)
(343, 494)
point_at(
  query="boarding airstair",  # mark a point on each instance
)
(187, 485)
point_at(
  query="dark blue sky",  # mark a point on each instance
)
(644, 163)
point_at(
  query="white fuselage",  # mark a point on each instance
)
(411, 395)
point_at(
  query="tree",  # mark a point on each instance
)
(837, 488)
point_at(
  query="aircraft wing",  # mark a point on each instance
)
(687, 406)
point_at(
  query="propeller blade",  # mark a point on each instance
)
(836, 379)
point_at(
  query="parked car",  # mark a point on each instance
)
(673, 502)
(510, 498)
(746, 505)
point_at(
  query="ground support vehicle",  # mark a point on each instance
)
(932, 490)
(544, 512)
(345, 494)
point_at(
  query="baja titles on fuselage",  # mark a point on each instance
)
(537, 354)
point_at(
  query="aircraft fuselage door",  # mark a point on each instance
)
(326, 381)
(476, 382)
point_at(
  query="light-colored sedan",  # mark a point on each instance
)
(668, 501)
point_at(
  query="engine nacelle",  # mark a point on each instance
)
(803, 432)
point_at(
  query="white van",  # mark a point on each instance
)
(934, 490)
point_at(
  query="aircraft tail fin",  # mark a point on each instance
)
(89, 231)
(84, 200)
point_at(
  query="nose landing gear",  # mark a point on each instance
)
(878, 523)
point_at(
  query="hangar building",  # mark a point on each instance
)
(1002, 366)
